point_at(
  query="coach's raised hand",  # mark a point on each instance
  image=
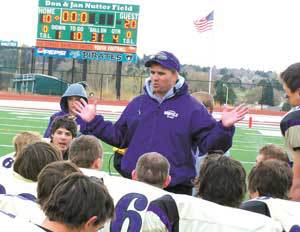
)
(231, 116)
(85, 111)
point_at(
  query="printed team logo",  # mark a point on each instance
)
(171, 114)
(75, 54)
(8, 162)
(129, 58)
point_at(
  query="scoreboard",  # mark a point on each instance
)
(87, 26)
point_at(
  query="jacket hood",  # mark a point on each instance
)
(179, 88)
(73, 90)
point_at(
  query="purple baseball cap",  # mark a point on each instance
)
(166, 59)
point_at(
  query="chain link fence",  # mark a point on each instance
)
(101, 79)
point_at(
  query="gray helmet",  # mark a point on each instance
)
(75, 89)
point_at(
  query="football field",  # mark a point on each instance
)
(246, 143)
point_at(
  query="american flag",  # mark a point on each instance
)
(205, 23)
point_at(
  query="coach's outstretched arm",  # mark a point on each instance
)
(105, 130)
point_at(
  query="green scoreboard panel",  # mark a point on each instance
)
(87, 25)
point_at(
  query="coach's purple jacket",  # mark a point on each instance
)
(170, 126)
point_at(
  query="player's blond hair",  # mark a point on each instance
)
(24, 138)
(206, 99)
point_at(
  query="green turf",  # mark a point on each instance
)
(13, 121)
(246, 141)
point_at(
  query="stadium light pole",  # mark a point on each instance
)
(226, 100)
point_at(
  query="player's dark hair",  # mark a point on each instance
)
(67, 122)
(50, 175)
(271, 178)
(291, 77)
(222, 180)
(34, 157)
(76, 198)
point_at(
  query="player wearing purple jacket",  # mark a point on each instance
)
(165, 119)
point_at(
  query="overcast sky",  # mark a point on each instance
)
(255, 34)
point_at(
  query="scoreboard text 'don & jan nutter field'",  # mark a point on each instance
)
(83, 25)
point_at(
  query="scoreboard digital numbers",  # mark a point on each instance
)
(87, 26)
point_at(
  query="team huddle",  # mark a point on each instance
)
(173, 158)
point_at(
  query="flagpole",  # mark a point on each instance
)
(210, 76)
(204, 24)
(212, 52)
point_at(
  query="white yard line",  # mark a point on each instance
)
(108, 153)
(257, 126)
(255, 134)
(238, 149)
(248, 162)
(40, 105)
(5, 145)
(9, 125)
(21, 118)
(32, 118)
(34, 111)
(248, 142)
(7, 133)
(265, 135)
(261, 128)
(22, 111)
(270, 133)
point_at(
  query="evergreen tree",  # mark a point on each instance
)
(221, 92)
(267, 96)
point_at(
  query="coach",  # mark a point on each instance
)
(165, 119)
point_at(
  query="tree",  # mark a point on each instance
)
(267, 96)
(205, 69)
(221, 92)
(231, 95)
(276, 84)
(277, 97)
(227, 77)
(261, 73)
(224, 71)
(253, 95)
